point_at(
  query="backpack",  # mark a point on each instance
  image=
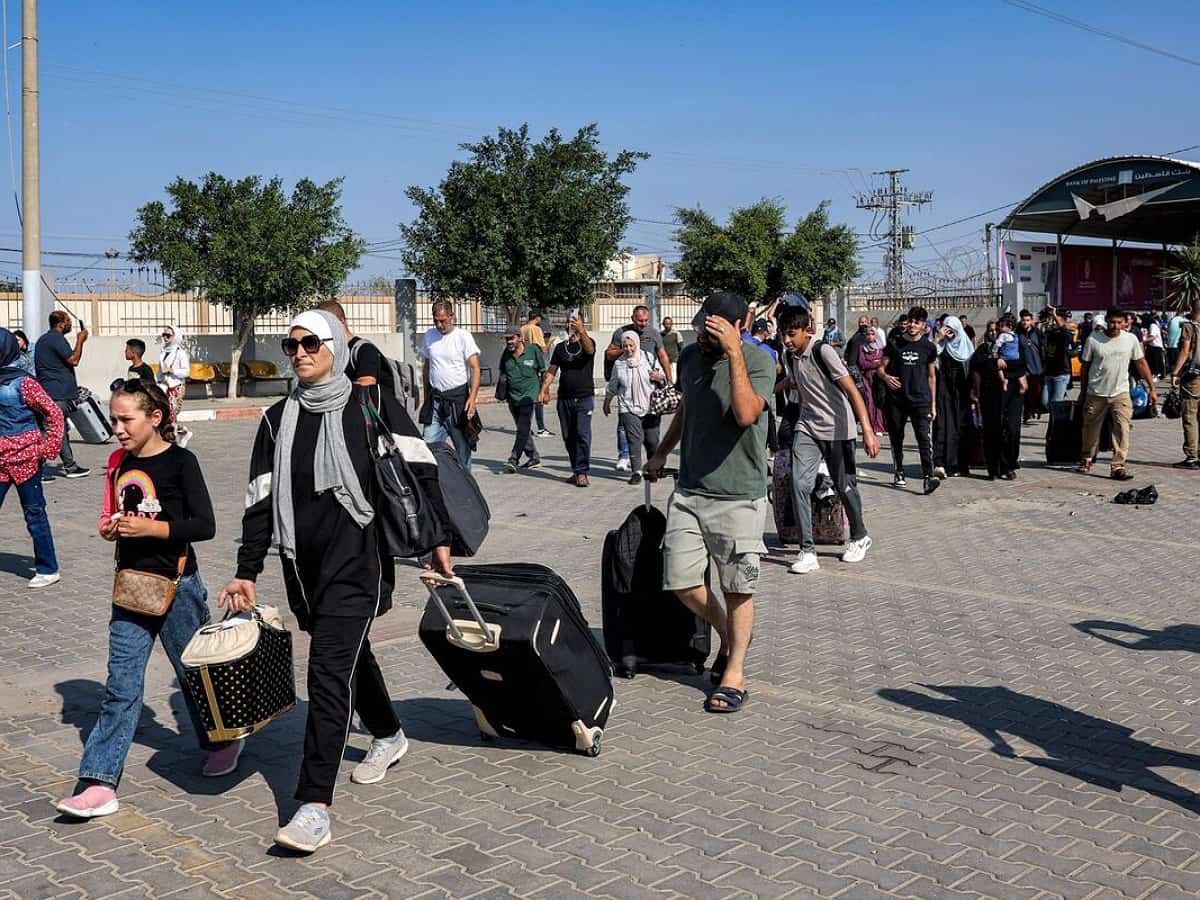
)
(817, 358)
(398, 378)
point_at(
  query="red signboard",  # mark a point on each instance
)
(1087, 277)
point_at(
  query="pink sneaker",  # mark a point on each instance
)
(97, 800)
(223, 761)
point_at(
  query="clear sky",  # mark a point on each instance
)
(981, 100)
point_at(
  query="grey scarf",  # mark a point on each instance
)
(332, 467)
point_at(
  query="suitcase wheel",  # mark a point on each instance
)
(587, 740)
(594, 750)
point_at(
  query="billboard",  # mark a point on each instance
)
(1087, 274)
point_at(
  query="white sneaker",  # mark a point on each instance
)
(381, 755)
(623, 465)
(805, 563)
(307, 832)
(856, 551)
(939, 472)
(41, 581)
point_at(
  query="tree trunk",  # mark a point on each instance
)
(242, 328)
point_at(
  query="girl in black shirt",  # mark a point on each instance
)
(156, 508)
(310, 492)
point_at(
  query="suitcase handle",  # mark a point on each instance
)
(484, 639)
(647, 484)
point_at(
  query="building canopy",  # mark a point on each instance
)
(1145, 199)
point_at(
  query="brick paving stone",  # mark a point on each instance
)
(867, 762)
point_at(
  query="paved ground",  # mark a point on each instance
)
(997, 703)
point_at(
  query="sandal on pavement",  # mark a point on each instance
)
(731, 697)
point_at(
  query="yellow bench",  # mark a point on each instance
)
(202, 373)
(261, 372)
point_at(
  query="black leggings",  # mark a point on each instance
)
(1002, 413)
(343, 676)
(899, 414)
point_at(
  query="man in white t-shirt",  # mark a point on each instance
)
(450, 373)
(1104, 389)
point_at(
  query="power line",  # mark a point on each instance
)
(969, 218)
(1111, 35)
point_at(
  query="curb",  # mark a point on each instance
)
(216, 415)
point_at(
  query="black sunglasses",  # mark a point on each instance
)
(310, 342)
(129, 385)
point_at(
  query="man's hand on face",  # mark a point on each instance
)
(724, 333)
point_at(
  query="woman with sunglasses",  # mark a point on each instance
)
(156, 509)
(310, 492)
(174, 366)
(23, 449)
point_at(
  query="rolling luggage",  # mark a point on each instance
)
(1064, 434)
(239, 673)
(513, 639)
(90, 419)
(828, 516)
(644, 624)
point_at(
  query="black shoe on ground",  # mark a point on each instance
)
(898, 480)
(1009, 476)
(932, 484)
(1187, 464)
(77, 472)
(635, 478)
(531, 463)
(510, 468)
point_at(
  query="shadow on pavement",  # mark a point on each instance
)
(1091, 749)
(1172, 637)
(16, 564)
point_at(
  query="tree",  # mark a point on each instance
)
(756, 257)
(248, 246)
(521, 225)
(1184, 277)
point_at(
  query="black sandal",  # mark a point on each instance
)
(731, 697)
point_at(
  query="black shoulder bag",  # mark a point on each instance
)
(407, 526)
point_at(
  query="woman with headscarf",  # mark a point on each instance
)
(174, 366)
(870, 358)
(954, 355)
(23, 449)
(310, 492)
(634, 375)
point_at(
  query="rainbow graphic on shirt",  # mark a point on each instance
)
(136, 493)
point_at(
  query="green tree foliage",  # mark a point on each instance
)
(521, 225)
(1183, 276)
(755, 256)
(248, 246)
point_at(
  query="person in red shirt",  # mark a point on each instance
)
(23, 449)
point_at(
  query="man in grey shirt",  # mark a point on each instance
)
(830, 408)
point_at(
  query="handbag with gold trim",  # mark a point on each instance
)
(239, 672)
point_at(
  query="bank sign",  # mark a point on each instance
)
(1107, 182)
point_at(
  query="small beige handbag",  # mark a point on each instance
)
(145, 592)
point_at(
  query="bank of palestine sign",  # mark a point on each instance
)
(1112, 190)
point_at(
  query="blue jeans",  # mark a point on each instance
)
(442, 430)
(130, 640)
(1054, 388)
(33, 504)
(622, 441)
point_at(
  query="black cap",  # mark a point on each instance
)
(512, 331)
(729, 306)
(760, 325)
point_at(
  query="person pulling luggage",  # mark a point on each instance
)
(310, 476)
(829, 406)
(719, 506)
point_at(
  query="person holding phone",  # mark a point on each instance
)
(56, 361)
(574, 357)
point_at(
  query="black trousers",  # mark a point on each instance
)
(1002, 413)
(899, 413)
(951, 412)
(343, 677)
(523, 417)
(575, 420)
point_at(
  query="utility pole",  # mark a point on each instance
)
(34, 312)
(112, 256)
(987, 249)
(901, 238)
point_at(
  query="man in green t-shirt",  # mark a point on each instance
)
(720, 503)
(522, 366)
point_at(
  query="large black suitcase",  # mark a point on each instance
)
(513, 639)
(1064, 434)
(644, 624)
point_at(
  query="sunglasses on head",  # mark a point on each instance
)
(310, 342)
(129, 385)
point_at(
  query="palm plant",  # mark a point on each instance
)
(1183, 278)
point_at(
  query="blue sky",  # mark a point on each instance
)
(981, 100)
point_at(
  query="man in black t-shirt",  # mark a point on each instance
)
(1056, 356)
(365, 358)
(574, 357)
(910, 372)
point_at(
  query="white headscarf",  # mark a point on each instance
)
(333, 470)
(959, 347)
